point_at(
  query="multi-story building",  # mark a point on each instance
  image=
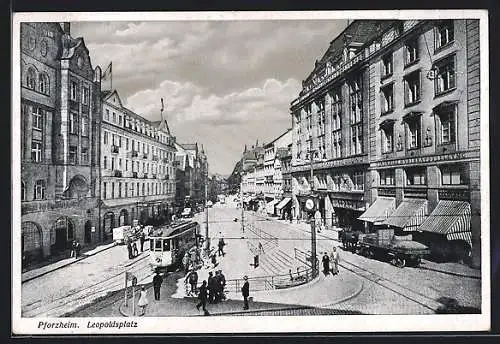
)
(60, 119)
(401, 142)
(284, 160)
(192, 168)
(137, 167)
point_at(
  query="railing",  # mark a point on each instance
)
(134, 153)
(117, 173)
(115, 149)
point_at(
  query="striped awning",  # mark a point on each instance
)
(450, 218)
(283, 202)
(379, 210)
(409, 215)
(270, 206)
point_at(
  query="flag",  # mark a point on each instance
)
(108, 71)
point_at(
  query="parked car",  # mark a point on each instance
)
(187, 212)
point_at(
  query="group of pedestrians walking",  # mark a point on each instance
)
(211, 291)
(332, 259)
(132, 246)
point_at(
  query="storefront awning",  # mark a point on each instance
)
(270, 206)
(379, 210)
(409, 215)
(283, 203)
(450, 218)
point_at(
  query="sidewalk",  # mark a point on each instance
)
(32, 274)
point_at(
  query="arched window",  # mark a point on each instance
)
(23, 191)
(31, 78)
(43, 83)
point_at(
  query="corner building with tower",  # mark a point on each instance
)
(388, 122)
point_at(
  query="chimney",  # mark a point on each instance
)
(66, 27)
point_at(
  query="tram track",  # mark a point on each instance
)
(87, 294)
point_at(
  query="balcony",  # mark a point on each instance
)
(145, 176)
(145, 156)
(115, 149)
(155, 157)
(165, 160)
(117, 173)
(134, 153)
(154, 176)
(134, 175)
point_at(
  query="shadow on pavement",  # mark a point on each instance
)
(451, 306)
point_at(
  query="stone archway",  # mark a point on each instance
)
(31, 242)
(88, 232)
(78, 187)
(123, 218)
(64, 231)
(108, 225)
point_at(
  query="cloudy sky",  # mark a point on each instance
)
(225, 83)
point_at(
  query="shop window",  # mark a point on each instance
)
(453, 175)
(416, 176)
(386, 177)
(40, 189)
(445, 75)
(444, 33)
(412, 88)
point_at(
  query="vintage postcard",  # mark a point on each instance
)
(175, 172)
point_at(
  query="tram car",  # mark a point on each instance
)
(169, 244)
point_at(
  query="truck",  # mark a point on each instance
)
(400, 250)
(124, 234)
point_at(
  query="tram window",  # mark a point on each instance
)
(166, 245)
(158, 245)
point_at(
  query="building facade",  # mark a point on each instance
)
(60, 119)
(192, 169)
(137, 167)
(392, 109)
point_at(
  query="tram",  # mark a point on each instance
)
(168, 245)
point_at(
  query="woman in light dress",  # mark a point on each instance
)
(143, 300)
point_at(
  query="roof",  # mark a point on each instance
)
(411, 213)
(277, 138)
(379, 210)
(448, 217)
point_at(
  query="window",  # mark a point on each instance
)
(411, 52)
(416, 176)
(414, 133)
(453, 175)
(43, 83)
(37, 118)
(137, 189)
(23, 191)
(104, 186)
(446, 124)
(387, 138)
(358, 180)
(73, 151)
(336, 124)
(40, 188)
(120, 119)
(356, 108)
(112, 190)
(126, 190)
(120, 163)
(445, 77)
(387, 101)
(74, 90)
(85, 95)
(105, 162)
(85, 155)
(387, 66)
(73, 123)
(412, 88)
(143, 189)
(386, 177)
(107, 115)
(444, 33)
(105, 137)
(36, 151)
(126, 165)
(31, 78)
(114, 117)
(119, 190)
(85, 126)
(112, 163)
(126, 144)
(132, 189)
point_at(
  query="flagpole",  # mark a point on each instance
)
(111, 74)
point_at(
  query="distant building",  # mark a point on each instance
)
(137, 167)
(192, 172)
(60, 121)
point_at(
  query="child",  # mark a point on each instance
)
(143, 301)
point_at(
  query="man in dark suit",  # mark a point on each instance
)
(245, 291)
(157, 281)
(202, 295)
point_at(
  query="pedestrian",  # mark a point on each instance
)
(217, 284)
(186, 262)
(192, 277)
(143, 239)
(326, 264)
(334, 257)
(157, 281)
(214, 260)
(77, 249)
(73, 249)
(211, 287)
(143, 300)
(245, 291)
(202, 296)
(135, 252)
(129, 249)
(222, 285)
(221, 246)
